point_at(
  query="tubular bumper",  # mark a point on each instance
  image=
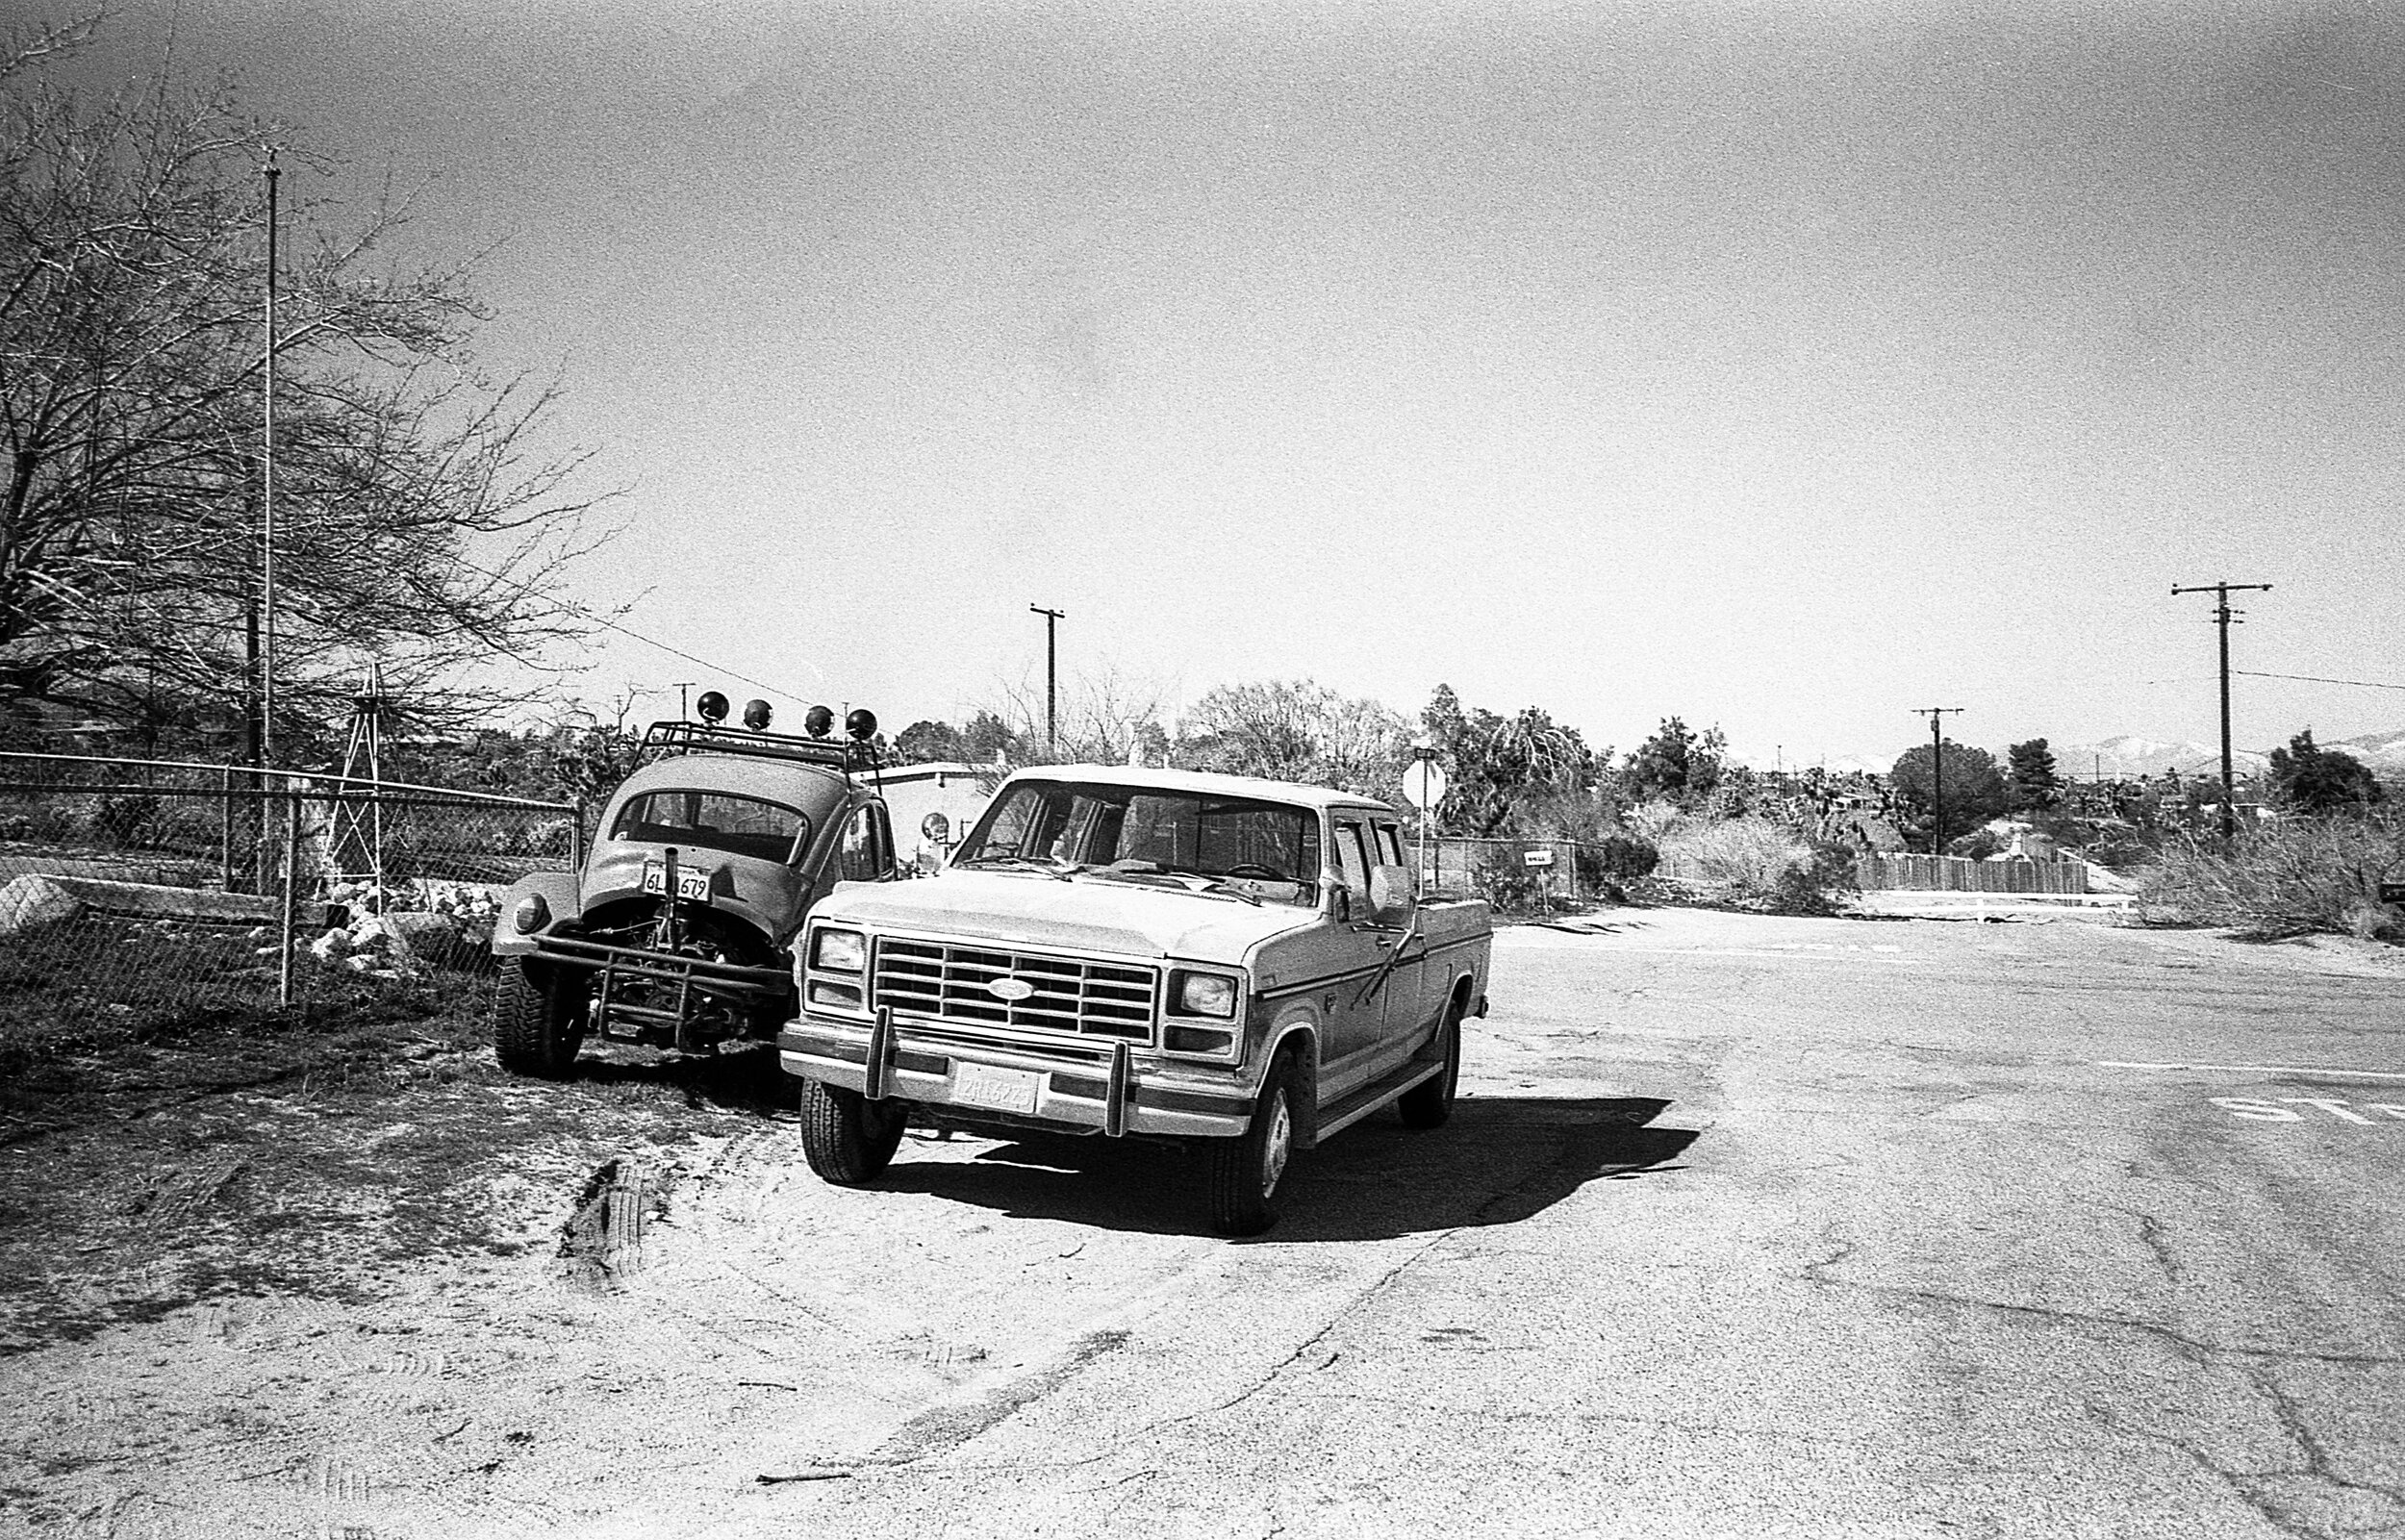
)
(1112, 1092)
(667, 968)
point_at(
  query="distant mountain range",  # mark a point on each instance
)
(2130, 755)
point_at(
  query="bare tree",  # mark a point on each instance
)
(1296, 731)
(1104, 717)
(415, 524)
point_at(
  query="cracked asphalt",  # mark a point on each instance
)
(1744, 1227)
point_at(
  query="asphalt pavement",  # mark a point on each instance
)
(1743, 1227)
(1757, 1227)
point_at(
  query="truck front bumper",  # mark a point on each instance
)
(1102, 1091)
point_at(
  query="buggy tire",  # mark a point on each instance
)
(1248, 1173)
(848, 1139)
(537, 1019)
(1428, 1104)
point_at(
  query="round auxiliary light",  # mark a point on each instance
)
(756, 715)
(713, 707)
(818, 722)
(861, 725)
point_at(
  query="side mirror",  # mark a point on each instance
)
(1391, 896)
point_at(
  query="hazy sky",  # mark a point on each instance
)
(1783, 366)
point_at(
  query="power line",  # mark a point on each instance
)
(571, 607)
(2316, 679)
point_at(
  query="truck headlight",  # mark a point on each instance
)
(531, 914)
(839, 951)
(1202, 994)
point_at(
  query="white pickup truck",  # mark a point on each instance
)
(1238, 963)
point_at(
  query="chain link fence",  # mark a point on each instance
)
(1527, 876)
(172, 894)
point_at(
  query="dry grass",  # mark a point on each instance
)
(1757, 862)
(2290, 878)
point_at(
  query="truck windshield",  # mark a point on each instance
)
(1270, 849)
(740, 826)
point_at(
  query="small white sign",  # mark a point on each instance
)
(1537, 858)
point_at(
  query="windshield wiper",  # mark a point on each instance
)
(1211, 883)
(1059, 870)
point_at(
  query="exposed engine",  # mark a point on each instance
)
(653, 1001)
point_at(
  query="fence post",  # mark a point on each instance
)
(577, 837)
(225, 832)
(292, 871)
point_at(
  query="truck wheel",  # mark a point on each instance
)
(537, 1019)
(1247, 1171)
(849, 1138)
(1428, 1104)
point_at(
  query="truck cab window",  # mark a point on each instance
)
(1352, 863)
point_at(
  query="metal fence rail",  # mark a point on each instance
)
(142, 885)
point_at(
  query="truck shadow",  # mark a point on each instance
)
(1497, 1161)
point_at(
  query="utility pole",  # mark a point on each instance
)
(683, 712)
(1051, 656)
(1936, 774)
(2225, 616)
(267, 497)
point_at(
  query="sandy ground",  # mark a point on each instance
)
(1744, 1227)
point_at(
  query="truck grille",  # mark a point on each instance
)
(929, 978)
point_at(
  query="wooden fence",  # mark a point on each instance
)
(1954, 873)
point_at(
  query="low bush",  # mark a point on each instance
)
(1761, 864)
(2294, 878)
(1505, 881)
(1977, 845)
(1616, 858)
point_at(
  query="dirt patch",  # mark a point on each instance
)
(156, 1159)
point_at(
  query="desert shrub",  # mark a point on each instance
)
(1503, 879)
(1656, 820)
(1761, 863)
(2292, 877)
(1977, 845)
(1617, 857)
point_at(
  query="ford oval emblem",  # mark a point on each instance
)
(1010, 988)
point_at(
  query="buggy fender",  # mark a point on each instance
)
(558, 892)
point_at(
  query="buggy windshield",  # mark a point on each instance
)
(740, 826)
(1269, 850)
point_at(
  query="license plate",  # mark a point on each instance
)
(999, 1089)
(692, 882)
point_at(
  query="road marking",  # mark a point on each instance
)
(2256, 1069)
(2331, 1105)
(2256, 1109)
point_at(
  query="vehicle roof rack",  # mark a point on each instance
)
(665, 739)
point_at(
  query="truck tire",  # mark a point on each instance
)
(1247, 1172)
(537, 1019)
(848, 1139)
(1428, 1104)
